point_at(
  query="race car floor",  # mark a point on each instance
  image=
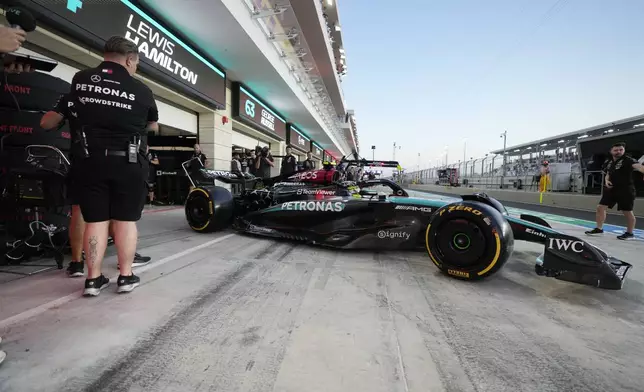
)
(227, 312)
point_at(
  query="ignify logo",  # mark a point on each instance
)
(393, 234)
(564, 244)
(74, 5)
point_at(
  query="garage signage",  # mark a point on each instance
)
(162, 54)
(317, 151)
(257, 114)
(297, 139)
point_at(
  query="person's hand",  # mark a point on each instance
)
(18, 68)
(11, 39)
(609, 184)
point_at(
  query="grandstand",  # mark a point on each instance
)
(573, 170)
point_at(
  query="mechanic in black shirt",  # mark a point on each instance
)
(618, 189)
(251, 162)
(153, 160)
(309, 164)
(198, 154)
(65, 110)
(264, 162)
(289, 163)
(114, 111)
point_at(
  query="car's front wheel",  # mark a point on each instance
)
(469, 240)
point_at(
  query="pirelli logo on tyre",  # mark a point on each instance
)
(458, 273)
(462, 208)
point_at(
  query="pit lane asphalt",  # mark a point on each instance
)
(252, 314)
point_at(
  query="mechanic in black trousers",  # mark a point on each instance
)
(618, 189)
(64, 110)
(113, 113)
(289, 163)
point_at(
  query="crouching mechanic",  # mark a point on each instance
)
(112, 111)
(52, 119)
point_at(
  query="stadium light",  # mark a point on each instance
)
(543, 145)
(582, 136)
(609, 131)
(561, 141)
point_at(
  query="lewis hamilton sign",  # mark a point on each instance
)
(163, 55)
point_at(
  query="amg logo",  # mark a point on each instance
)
(313, 206)
(315, 192)
(414, 208)
(564, 244)
(534, 232)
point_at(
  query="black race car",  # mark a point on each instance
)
(469, 239)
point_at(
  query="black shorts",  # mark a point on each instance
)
(72, 187)
(110, 188)
(624, 198)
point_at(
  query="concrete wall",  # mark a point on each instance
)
(561, 200)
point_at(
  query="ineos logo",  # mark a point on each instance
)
(250, 108)
(95, 78)
(305, 176)
(564, 244)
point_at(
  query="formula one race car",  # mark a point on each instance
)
(470, 239)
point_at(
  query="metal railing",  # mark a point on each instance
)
(485, 173)
(285, 33)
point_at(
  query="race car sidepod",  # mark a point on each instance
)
(571, 259)
(209, 208)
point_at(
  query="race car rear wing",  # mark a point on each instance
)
(364, 162)
(198, 175)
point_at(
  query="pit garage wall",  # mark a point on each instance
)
(216, 138)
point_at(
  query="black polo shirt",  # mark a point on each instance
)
(620, 172)
(111, 106)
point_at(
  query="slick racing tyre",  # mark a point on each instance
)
(31, 91)
(20, 129)
(209, 208)
(469, 240)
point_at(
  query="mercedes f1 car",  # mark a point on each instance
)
(469, 239)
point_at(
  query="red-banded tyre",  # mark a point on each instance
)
(209, 208)
(469, 240)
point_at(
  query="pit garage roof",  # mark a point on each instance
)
(570, 139)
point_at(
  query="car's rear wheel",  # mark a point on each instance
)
(469, 240)
(209, 208)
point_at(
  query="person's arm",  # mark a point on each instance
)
(154, 160)
(54, 117)
(638, 167)
(153, 115)
(270, 161)
(11, 39)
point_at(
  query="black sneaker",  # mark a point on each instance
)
(626, 236)
(76, 269)
(595, 231)
(127, 283)
(94, 286)
(138, 261)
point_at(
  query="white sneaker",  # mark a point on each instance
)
(3, 355)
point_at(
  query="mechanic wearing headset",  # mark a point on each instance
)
(53, 119)
(618, 189)
(112, 112)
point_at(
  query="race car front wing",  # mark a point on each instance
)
(571, 259)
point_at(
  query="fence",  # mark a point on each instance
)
(521, 176)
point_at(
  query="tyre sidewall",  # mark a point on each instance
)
(494, 228)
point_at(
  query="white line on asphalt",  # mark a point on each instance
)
(33, 312)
